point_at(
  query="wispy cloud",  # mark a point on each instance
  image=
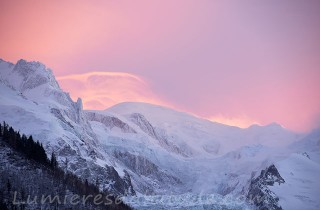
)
(100, 90)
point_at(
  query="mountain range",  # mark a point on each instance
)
(141, 150)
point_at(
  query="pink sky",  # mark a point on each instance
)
(237, 62)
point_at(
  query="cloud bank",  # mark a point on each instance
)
(100, 90)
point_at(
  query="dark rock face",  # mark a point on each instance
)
(57, 114)
(118, 185)
(143, 167)
(144, 124)
(106, 178)
(156, 133)
(137, 164)
(260, 195)
(110, 122)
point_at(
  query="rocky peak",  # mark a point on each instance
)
(259, 194)
(271, 176)
(26, 68)
(29, 75)
(78, 105)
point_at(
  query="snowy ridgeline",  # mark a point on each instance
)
(144, 149)
(188, 202)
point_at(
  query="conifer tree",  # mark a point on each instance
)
(53, 161)
(0, 130)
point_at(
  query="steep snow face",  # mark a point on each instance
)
(302, 187)
(149, 149)
(300, 170)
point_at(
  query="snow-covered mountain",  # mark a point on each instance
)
(32, 100)
(138, 148)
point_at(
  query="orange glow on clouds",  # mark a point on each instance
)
(241, 121)
(215, 59)
(100, 90)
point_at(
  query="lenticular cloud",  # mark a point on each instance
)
(100, 90)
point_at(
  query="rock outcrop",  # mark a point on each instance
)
(260, 195)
